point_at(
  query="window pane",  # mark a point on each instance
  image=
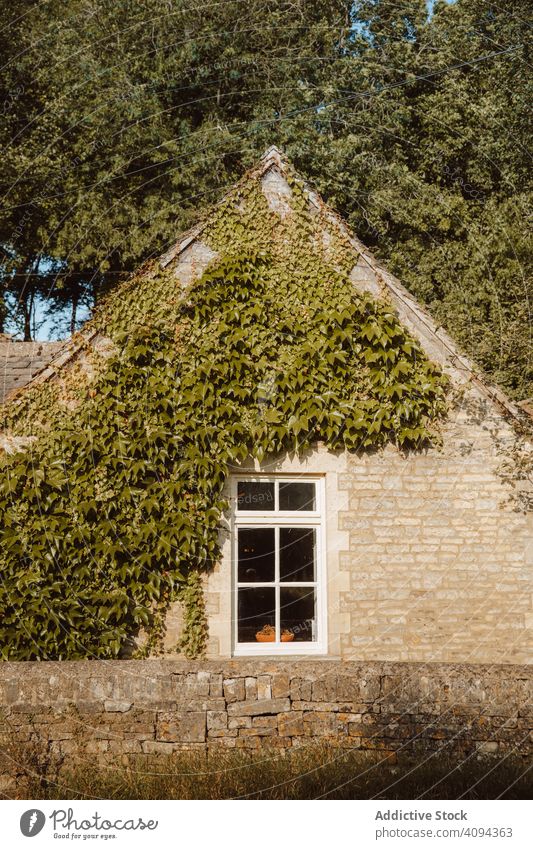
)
(297, 554)
(256, 609)
(255, 495)
(297, 496)
(298, 614)
(256, 555)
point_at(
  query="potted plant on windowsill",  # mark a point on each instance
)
(267, 634)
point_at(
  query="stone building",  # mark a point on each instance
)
(424, 556)
(389, 555)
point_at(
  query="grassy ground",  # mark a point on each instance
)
(308, 773)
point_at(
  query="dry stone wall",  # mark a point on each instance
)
(96, 711)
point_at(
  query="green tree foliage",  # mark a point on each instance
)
(135, 115)
(431, 168)
(122, 119)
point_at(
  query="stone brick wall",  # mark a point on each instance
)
(91, 711)
(440, 562)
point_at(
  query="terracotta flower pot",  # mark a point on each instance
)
(268, 635)
(265, 638)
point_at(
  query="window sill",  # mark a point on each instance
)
(288, 658)
(281, 651)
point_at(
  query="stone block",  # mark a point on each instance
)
(257, 732)
(240, 722)
(250, 686)
(222, 742)
(131, 747)
(182, 727)
(324, 689)
(488, 748)
(57, 732)
(265, 721)
(234, 690)
(345, 720)
(195, 686)
(334, 707)
(217, 733)
(139, 735)
(196, 705)
(217, 719)
(203, 676)
(264, 688)
(215, 685)
(290, 724)
(281, 683)
(89, 707)
(157, 747)
(93, 747)
(117, 705)
(278, 742)
(263, 706)
(248, 742)
(320, 724)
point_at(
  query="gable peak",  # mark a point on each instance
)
(273, 156)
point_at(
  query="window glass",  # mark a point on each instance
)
(297, 554)
(255, 495)
(256, 553)
(297, 496)
(298, 613)
(256, 614)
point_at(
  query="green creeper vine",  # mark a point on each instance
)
(195, 631)
(113, 511)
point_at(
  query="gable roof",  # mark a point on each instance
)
(190, 255)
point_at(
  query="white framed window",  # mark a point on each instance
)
(278, 565)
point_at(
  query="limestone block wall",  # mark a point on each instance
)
(440, 562)
(80, 713)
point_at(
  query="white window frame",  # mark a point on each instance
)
(276, 519)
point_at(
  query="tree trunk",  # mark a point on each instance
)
(27, 298)
(73, 314)
(27, 309)
(3, 311)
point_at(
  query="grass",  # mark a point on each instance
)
(306, 773)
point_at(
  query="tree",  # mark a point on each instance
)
(414, 127)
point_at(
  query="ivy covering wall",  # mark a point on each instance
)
(113, 510)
